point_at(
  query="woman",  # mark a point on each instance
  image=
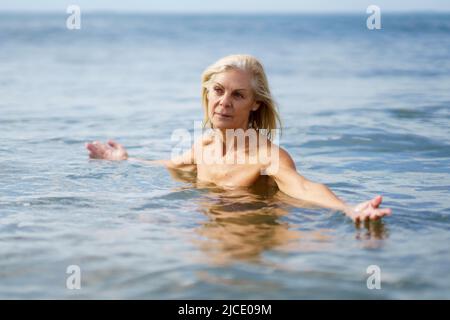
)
(236, 98)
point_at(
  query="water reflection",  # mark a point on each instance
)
(244, 223)
(370, 233)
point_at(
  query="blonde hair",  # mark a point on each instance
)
(266, 116)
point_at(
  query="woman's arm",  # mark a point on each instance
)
(290, 182)
(116, 152)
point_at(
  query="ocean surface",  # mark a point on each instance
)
(365, 112)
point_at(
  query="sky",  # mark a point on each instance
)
(227, 6)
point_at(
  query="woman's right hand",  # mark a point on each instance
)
(109, 151)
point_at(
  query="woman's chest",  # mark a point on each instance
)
(233, 175)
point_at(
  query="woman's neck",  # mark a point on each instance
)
(237, 138)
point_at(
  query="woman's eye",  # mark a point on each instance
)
(217, 89)
(237, 94)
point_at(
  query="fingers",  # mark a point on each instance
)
(93, 151)
(373, 215)
(114, 144)
(378, 214)
(360, 216)
(96, 150)
(375, 202)
(386, 212)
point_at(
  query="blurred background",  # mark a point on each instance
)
(364, 111)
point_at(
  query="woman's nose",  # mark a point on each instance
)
(225, 100)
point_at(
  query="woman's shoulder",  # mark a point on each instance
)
(278, 155)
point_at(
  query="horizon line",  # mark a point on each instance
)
(261, 12)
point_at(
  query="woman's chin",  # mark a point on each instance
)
(222, 125)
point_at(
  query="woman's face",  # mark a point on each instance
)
(230, 100)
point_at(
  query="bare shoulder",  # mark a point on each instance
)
(280, 155)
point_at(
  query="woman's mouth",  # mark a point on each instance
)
(222, 116)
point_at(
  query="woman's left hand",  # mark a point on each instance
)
(368, 210)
